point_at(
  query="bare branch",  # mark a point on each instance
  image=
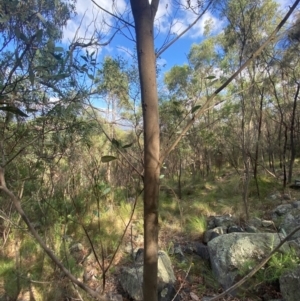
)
(18, 61)
(93, 42)
(113, 15)
(163, 49)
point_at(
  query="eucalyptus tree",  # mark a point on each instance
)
(41, 96)
(241, 36)
(189, 86)
(112, 86)
(143, 13)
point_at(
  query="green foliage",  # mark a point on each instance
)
(8, 277)
(196, 226)
(106, 159)
(266, 184)
(113, 81)
(204, 55)
(279, 264)
(177, 78)
(54, 148)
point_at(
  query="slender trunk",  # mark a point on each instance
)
(246, 180)
(143, 14)
(284, 156)
(270, 151)
(258, 141)
(246, 159)
(179, 177)
(292, 135)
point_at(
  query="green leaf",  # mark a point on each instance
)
(57, 56)
(176, 102)
(213, 82)
(13, 110)
(19, 63)
(195, 108)
(41, 68)
(210, 77)
(106, 191)
(96, 213)
(85, 58)
(91, 76)
(161, 176)
(106, 159)
(20, 35)
(4, 19)
(23, 37)
(59, 49)
(31, 76)
(115, 142)
(17, 32)
(41, 18)
(39, 34)
(127, 145)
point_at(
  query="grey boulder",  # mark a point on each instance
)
(131, 279)
(230, 252)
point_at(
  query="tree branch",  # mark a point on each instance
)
(113, 15)
(18, 61)
(163, 49)
(228, 81)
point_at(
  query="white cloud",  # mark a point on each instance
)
(179, 16)
(198, 29)
(178, 26)
(163, 14)
(91, 19)
(284, 5)
(161, 62)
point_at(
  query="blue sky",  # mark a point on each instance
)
(167, 14)
(91, 19)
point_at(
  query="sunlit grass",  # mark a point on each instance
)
(196, 226)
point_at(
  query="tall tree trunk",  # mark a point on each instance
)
(143, 13)
(258, 140)
(179, 176)
(292, 135)
(284, 156)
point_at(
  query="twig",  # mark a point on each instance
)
(183, 282)
(164, 48)
(113, 15)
